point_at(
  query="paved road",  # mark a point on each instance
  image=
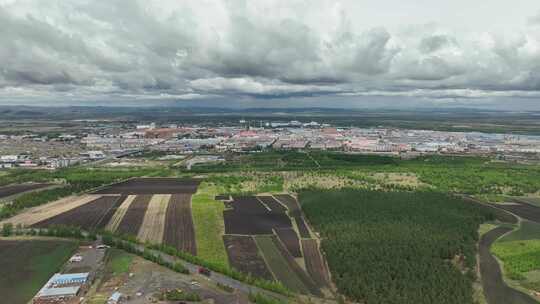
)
(495, 289)
(216, 277)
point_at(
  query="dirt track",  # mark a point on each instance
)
(495, 290)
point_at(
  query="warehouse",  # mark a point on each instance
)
(61, 288)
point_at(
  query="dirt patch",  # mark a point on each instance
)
(40, 213)
(152, 186)
(87, 216)
(272, 204)
(134, 216)
(314, 262)
(179, 229)
(16, 189)
(289, 238)
(119, 213)
(524, 210)
(244, 256)
(290, 202)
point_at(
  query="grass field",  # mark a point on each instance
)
(278, 265)
(519, 257)
(209, 225)
(118, 261)
(527, 231)
(27, 264)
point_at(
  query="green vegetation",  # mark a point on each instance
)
(278, 266)
(518, 257)
(262, 299)
(119, 261)
(460, 174)
(209, 225)
(398, 247)
(27, 264)
(178, 295)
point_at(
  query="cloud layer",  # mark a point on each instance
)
(178, 50)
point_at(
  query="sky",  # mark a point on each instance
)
(291, 53)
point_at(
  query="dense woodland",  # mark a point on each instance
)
(397, 247)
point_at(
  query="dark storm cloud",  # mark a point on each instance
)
(192, 49)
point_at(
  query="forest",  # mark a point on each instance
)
(397, 247)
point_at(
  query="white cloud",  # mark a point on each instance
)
(206, 48)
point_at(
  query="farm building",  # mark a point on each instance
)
(61, 288)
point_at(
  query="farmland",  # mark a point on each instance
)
(179, 229)
(373, 238)
(7, 191)
(276, 250)
(519, 257)
(208, 224)
(128, 208)
(27, 264)
(244, 256)
(495, 289)
(87, 216)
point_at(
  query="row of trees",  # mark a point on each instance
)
(397, 247)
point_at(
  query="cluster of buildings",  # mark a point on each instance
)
(313, 136)
(64, 150)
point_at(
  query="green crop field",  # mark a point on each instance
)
(25, 265)
(396, 247)
(278, 265)
(118, 261)
(528, 230)
(519, 257)
(209, 224)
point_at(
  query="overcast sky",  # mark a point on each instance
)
(271, 53)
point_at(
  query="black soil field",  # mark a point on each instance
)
(293, 266)
(134, 216)
(290, 202)
(289, 238)
(244, 256)
(501, 215)
(273, 204)
(314, 262)
(248, 205)
(16, 189)
(495, 290)
(302, 227)
(222, 197)
(179, 231)
(87, 216)
(107, 217)
(254, 224)
(524, 210)
(152, 186)
(250, 217)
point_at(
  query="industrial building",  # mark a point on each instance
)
(62, 289)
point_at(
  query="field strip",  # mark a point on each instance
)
(43, 212)
(119, 214)
(278, 265)
(262, 203)
(153, 226)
